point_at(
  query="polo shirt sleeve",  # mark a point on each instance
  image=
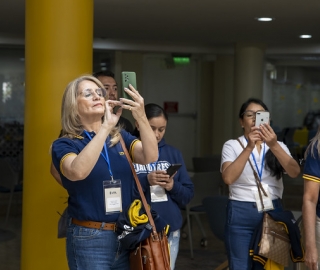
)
(129, 141)
(60, 149)
(312, 166)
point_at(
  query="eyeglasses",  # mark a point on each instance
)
(251, 114)
(88, 93)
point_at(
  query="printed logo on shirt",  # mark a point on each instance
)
(121, 153)
(156, 166)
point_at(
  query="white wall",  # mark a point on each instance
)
(291, 96)
(163, 82)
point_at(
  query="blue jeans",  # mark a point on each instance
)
(173, 239)
(242, 219)
(94, 249)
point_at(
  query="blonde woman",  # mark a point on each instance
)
(311, 204)
(95, 172)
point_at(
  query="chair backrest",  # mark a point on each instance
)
(205, 184)
(216, 209)
(8, 177)
(288, 137)
(206, 164)
(300, 136)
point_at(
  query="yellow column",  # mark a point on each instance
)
(59, 37)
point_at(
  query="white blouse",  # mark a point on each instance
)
(242, 188)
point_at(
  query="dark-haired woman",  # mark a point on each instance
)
(270, 158)
(166, 194)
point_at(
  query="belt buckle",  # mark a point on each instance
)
(115, 227)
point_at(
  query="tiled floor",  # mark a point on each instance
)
(204, 257)
(208, 257)
(10, 236)
(10, 244)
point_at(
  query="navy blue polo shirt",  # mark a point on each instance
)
(86, 197)
(311, 170)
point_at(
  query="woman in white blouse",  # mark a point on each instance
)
(270, 159)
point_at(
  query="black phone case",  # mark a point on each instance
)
(173, 168)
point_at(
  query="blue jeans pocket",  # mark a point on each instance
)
(83, 232)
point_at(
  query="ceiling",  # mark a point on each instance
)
(203, 26)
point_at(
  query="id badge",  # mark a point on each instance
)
(112, 196)
(158, 194)
(268, 205)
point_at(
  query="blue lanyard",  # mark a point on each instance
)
(105, 156)
(262, 163)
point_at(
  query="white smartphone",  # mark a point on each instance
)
(262, 118)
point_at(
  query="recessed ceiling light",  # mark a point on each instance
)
(264, 19)
(305, 36)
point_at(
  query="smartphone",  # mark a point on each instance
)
(173, 168)
(128, 77)
(262, 118)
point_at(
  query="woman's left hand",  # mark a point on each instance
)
(111, 118)
(162, 179)
(168, 184)
(267, 135)
(136, 105)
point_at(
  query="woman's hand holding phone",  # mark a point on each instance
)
(268, 135)
(160, 178)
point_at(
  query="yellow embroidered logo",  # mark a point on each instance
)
(121, 153)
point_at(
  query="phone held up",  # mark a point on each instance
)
(173, 168)
(262, 118)
(128, 77)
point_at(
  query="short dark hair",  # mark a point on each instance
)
(245, 105)
(104, 73)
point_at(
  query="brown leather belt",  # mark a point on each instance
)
(94, 224)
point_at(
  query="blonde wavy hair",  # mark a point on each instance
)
(313, 141)
(70, 120)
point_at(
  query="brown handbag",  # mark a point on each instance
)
(152, 253)
(275, 243)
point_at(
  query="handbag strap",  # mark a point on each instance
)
(143, 198)
(256, 177)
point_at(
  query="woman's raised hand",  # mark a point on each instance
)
(110, 118)
(268, 135)
(136, 105)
